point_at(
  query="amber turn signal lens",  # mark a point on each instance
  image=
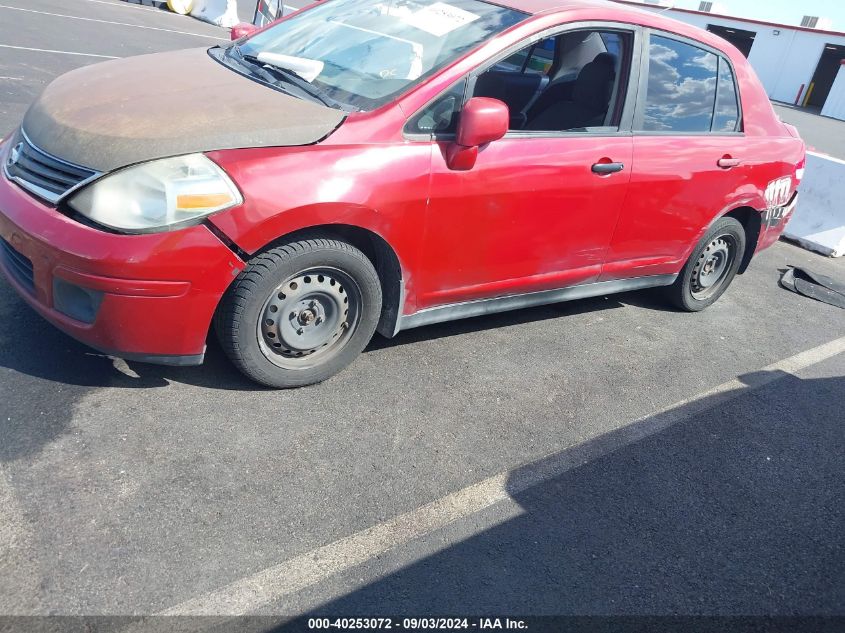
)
(202, 200)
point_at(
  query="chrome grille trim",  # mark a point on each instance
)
(43, 174)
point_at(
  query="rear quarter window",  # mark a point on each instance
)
(726, 115)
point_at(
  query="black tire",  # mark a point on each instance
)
(711, 268)
(300, 312)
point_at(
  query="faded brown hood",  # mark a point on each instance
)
(131, 110)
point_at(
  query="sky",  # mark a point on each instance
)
(781, 11)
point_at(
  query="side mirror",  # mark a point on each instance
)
(241, 29)
(482, 120)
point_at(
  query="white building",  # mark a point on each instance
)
(797, 64)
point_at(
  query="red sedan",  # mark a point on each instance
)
(364, 165)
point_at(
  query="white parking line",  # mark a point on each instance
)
(270, 585)
(137, 26)
(132, 6)
(139, 6)
(47, 50)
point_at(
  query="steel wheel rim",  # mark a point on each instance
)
(309, 317)
(713, 266)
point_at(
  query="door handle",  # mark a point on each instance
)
(607, 168)
(727, 162)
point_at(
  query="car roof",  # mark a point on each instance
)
(540, 6)
(622, 13)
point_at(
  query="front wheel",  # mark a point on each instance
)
(299, 313)
(711, 268)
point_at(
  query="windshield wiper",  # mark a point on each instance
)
(280, 73)
(259, 71)
(291, 76)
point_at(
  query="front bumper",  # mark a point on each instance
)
(142, 297)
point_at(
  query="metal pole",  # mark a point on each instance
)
(809, 93)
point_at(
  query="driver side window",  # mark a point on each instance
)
(536, 59)
(578, 85)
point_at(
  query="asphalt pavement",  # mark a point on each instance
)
(605, 456)
(820, 133)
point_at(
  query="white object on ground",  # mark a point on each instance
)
(182, 7)
(218, 12)
(818, 223)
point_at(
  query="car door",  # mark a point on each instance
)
(538, 208)
(691, 158)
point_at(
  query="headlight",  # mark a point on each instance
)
(159, 195)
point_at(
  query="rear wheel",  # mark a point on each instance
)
(711, 268)
(300, 313)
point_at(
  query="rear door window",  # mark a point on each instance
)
(681, 88)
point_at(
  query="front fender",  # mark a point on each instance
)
(382, 188)
(254, 237)
(379, 188)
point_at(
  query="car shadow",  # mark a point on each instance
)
(38, 414)
(725, 506)
(495, 321)
(218, 373)
(34, 413)
(648, 299)
(42, 351)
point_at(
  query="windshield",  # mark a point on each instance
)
(361, 53)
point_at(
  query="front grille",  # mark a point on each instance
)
(18, 265)
(46, 176)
